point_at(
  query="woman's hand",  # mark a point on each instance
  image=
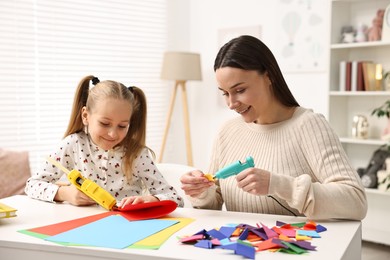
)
(195, 183)
(73, 195)
(254, 181)
(137, 200)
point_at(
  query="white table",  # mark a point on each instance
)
(342, 240)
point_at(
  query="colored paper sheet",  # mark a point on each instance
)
(320, 228)
(227, 231)
(155, 241)
(245, 250)
(292, 248)
(267, 244)
(260, 232)
(192, 239)
(204, 244)
(113, 232)
(244, 234)
(58, 228)
(309, 233)
(288, 232)
(302, 237)
(304, 245)
(269, 232)
(215, 242)
(216, 234)
(253, 237)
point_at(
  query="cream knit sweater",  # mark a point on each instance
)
(310, 172)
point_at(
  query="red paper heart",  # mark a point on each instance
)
(147, 210)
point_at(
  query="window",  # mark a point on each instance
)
(48, 46)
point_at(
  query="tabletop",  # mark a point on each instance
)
(342, 240)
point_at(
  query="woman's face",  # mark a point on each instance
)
(246, 92)
(108, 122)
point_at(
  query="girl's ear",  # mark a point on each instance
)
(84, 115)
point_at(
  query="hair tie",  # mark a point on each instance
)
(131, 89)
(95, 80)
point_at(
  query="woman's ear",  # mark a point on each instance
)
(269, 82)
(84, 115)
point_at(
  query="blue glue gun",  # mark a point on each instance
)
(234, 168)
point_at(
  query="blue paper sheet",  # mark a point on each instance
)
(113, 232)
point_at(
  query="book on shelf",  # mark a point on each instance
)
(359, 76)
(354, 75)
(342, 75)
(360, 80)
(370, 70)
(348, 75)
(6, 211)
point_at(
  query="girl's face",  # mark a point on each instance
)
(247, 92)
(108, 122)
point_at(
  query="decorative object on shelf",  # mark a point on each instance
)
(386, 25)
(384, 177)
(377, 162)
(384, 110)
(374, 33)
(361, 33)
(180, 66)
(347, 34)
(360, 127)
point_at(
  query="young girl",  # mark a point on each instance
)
(105, 142)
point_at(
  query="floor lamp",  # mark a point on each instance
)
(180, 67)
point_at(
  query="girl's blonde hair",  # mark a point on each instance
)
(135, 138)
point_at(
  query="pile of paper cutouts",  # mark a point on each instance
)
(246, 240)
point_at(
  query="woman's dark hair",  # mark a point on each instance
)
(249, 53)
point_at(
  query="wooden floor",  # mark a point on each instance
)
(372, 251)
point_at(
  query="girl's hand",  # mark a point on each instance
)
(73, 195)
(254, 181)
(195, 183)
(136, 200)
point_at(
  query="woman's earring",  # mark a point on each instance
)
(86, 129)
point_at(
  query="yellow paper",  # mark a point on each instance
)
(156, 240)
(302, 237)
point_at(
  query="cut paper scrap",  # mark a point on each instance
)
(204, 244)
(155, 241)
(267, 244)
(292, 249)
(269, 232)
(288, 232)
(216, 234)
(302, 237)
(309, 233)
(227, 230)
(242, 242)
(245, 250)
(113, 232)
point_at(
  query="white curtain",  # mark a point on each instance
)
(47, 46)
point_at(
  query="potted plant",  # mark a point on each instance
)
(386, 81)
(384, 110)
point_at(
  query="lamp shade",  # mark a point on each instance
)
(181, 66)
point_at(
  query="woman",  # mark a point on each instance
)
(300, 165)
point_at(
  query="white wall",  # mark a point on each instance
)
(195, 25)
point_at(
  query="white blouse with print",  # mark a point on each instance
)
(77, 151)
